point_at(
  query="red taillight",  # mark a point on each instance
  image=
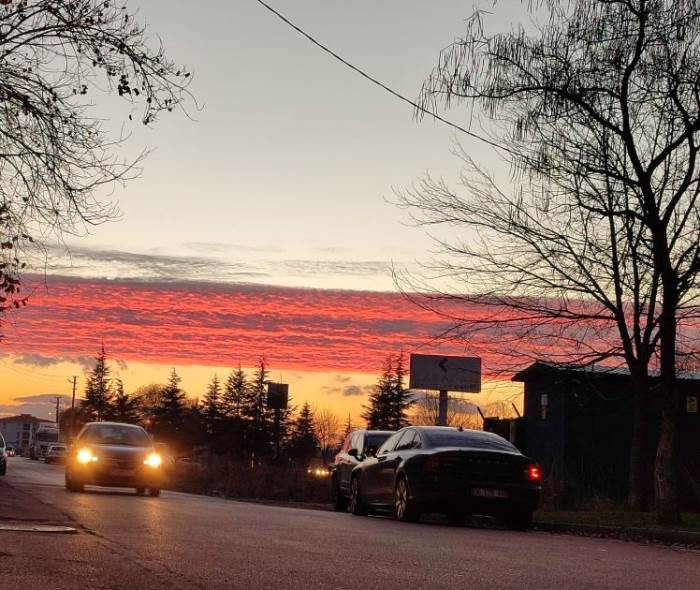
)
(534, 473)
(432, 465)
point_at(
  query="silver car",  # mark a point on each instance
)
(56, 453)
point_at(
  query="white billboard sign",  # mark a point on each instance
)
(445, 373)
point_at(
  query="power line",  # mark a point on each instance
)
(375, 81)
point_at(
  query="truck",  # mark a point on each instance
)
(44, 435)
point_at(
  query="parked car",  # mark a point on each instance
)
(115, 455)
(56, 453)
(3, 456)
(357, 445)
(449, 470)
(10, 451)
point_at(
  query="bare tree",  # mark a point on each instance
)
(593, 250)
(55, 153)
(328, 428)
(460, 412)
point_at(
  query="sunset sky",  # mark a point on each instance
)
(264, 224)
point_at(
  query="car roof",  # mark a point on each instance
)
(374, 431)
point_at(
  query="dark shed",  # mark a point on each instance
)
(578, 425)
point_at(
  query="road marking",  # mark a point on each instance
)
(38, 528)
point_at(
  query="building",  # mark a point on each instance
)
(577, 424)
(18, 431)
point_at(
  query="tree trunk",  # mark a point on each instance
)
(641, 454)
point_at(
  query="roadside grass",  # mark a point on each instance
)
(618, 518)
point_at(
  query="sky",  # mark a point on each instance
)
(263, 223)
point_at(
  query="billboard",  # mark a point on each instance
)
(445, 373)
(277, 396)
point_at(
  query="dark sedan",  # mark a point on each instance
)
(454, 471)
(357, 445)
(3, 456)
(114, 455)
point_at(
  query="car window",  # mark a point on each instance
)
(356, 441)
(473, 439)
(406, 441)
(389, 444)
(116, 434)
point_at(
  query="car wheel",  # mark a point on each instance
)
(71, 484)
(154, 492)
(519, 520)
(340, 502)
(404, 508)
(3, 469)
(356, 506)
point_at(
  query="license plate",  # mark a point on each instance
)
(122, 472)
(489, 493)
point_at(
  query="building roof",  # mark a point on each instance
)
(24, 418)
(541, 368)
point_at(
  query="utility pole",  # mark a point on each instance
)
(74, 380)
(58, 406)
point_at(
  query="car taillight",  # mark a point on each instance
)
(534, 473)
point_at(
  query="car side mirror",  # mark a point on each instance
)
(371, 451)
(353, 453)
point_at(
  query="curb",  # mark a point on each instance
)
(665, 537)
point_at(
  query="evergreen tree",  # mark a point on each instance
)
(97, 404)
(211, 408)
(125, 408)
(303, 442)
(400, 398)
(379, 414)
(234, 393)
(258, 419)
(169, 415)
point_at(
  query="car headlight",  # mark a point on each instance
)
(85, 456)
(153, 460)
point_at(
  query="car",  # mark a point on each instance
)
(56, 453)
(454, 471)
(114, 454)
(357, 445)
(10, 451)
(3, 456)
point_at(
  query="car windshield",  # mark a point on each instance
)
(376, 439)
(112, 434)
(468, 439)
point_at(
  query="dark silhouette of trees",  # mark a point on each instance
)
(125, 408)
(327, 429)
(168, 418)
(593, 252)
(258, 419)
(211, 408)
(97, 404)
(390, 401)
(303, 442)
(55, 153)
(234, 393)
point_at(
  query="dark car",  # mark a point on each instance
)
(3, 456)
(449, 470)
(114, 455)
(357, 445)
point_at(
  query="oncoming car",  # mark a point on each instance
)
(454, 471)
(114, 455)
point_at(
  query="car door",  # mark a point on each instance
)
(346, 461)
(387, 465)
(371, 469)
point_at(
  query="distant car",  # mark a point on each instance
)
(357, 446)
(56, 453)
(449, 470)
(10, 451)
(3, 456)
(114, 455)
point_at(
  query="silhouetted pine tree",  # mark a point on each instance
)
(211, 408)
(97, 404)
(168, 416)
(234, 393)
(124, 408)
(379, 413)
(400, 398)
(302, 440)
(257, 418)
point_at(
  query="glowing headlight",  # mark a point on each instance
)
(153, 460)
(85, 456)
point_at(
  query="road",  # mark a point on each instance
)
(187, 541)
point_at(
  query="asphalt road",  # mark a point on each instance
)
(186, 541)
